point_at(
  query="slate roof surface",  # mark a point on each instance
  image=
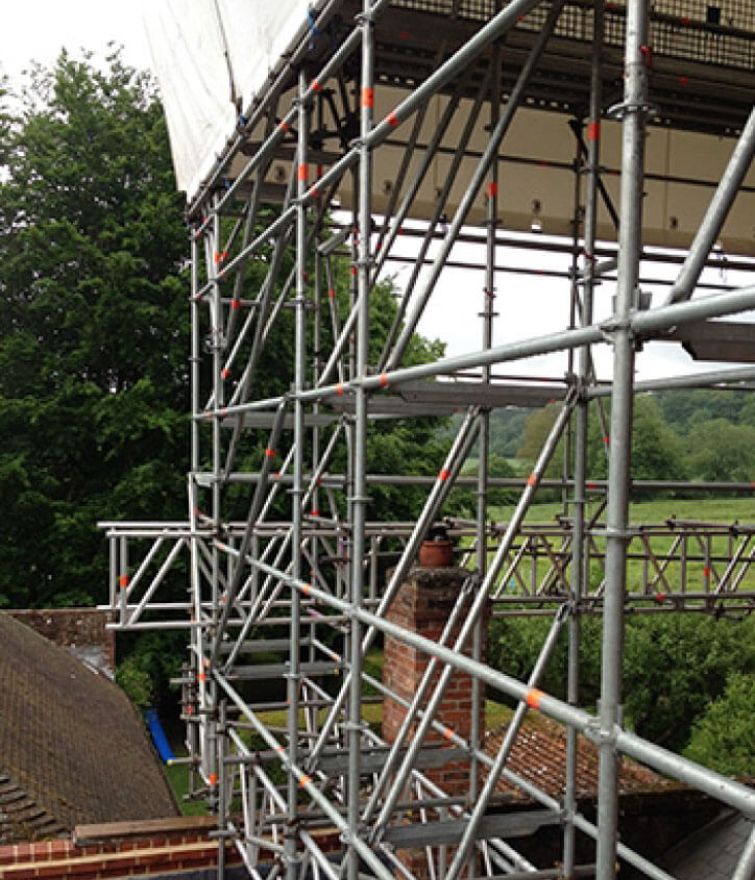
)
(712, 852)
(72, 748)
(539, 755)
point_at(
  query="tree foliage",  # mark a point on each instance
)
(93, 362)
(94, 385)
(723, 737)
(658, 453)
(675, 666)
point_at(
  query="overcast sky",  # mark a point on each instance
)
(38, 29)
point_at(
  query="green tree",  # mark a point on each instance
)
(93, 367)
(674, 666)
(723, 737)
(721, 450)
(657, 451)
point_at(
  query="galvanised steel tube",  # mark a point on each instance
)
(497, 27)
(258, 106)
(475, 610)
(708, 379)
(207, 687)
(360, 499)
(457, 454)
(579, 563)
(746, 867)
(304, 782)
(250, 220)
(413, 708)
(246, 539)
(337, 481)
(668, 316)
(634, 111)
(719, 787)
(427, 159)
(646, 323)
(467, 841)
(715, 217)
(440, 728)
(265, 295)
(406, 205)
(489, 154)
(300, 343)
(487, 316)
(328, 69)
(440, 204)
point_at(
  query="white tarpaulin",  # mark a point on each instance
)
(211, 58)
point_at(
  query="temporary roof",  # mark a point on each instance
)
(211, 58)
(216, 58)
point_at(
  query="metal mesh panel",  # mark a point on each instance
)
(721, 34)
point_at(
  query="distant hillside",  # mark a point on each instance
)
(694, 434)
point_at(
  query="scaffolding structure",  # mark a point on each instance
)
(310, 587)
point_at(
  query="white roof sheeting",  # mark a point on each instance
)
(211, 57)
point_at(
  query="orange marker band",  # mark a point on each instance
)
(392, 119)
(303, 172)
(123, 581)
(235, 304)
(443, 475)
(532, 480)
(593, 131)
(270, 453)
(304, 779)
(533, 698)
(213, 778)
(339, 390)
(492, 189)
(368, 97)
(383, 380)
(448, 733)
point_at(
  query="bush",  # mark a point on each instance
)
(723, 737)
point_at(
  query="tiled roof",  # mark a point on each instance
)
(539, 755)
(72, 748)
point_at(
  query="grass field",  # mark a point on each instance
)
(705, 562)
(721, 510)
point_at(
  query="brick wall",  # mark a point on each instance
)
(82, 631)
(118, 850)
(424, 604)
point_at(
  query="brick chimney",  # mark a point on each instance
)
(424, 604)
